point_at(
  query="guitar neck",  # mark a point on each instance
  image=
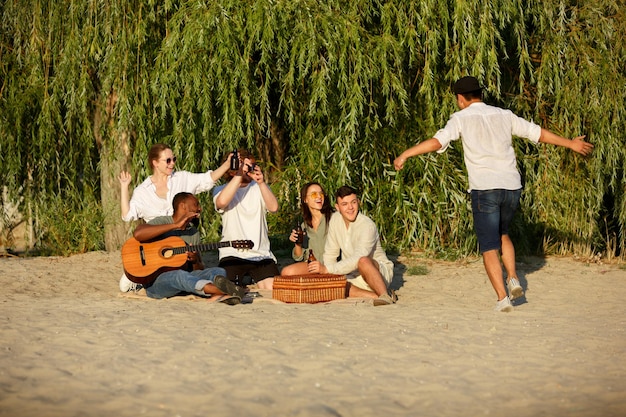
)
(203, 247)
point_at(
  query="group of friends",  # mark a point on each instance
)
(342, 239)
(346, 242)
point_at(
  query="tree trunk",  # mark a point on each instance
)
(114, 157)
(272, 150)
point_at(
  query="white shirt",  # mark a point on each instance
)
(487, 136)
(146, 204)
(244, 219)
(360, 238)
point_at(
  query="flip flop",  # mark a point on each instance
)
(230, 300)
(250, 296)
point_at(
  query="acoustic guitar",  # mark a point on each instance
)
(145, 261)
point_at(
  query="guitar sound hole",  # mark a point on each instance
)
(168, 253)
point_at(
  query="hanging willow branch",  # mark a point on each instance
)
(329, 91)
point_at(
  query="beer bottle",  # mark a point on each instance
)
(234, 161)
(311, 256)
(300, 234)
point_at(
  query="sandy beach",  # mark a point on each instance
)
(72, 345)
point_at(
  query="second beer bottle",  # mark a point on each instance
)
(234, 161)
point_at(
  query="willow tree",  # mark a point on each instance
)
(353, 83)
(75, 99)
(331, 91)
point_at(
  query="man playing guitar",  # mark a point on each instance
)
(191, 278)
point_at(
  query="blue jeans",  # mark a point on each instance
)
(172, 283)
(493, 212)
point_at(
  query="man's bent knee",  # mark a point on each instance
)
(366, 261)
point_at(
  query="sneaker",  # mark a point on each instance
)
(383, 300)
(515, 289)
(228, 287)
(504, 305)
(127, 285)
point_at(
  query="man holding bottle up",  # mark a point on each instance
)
(243, 202)
(354, 236)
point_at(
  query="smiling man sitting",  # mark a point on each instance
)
(353, 249)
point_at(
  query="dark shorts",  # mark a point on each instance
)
(238, 269)
(493, 211)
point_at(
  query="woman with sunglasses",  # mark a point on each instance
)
(316, 212)
(154, 196)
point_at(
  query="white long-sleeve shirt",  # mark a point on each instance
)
(146, 204)
(487, 136)
(360, 238)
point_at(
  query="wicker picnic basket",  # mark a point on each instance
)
(309, 288)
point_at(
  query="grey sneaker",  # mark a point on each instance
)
(127, 285)
(515, 289)
(228, 287)
(504, 305)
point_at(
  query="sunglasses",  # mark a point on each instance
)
(169, 160)
(316, 194)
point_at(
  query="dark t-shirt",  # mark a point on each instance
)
(190, 235)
